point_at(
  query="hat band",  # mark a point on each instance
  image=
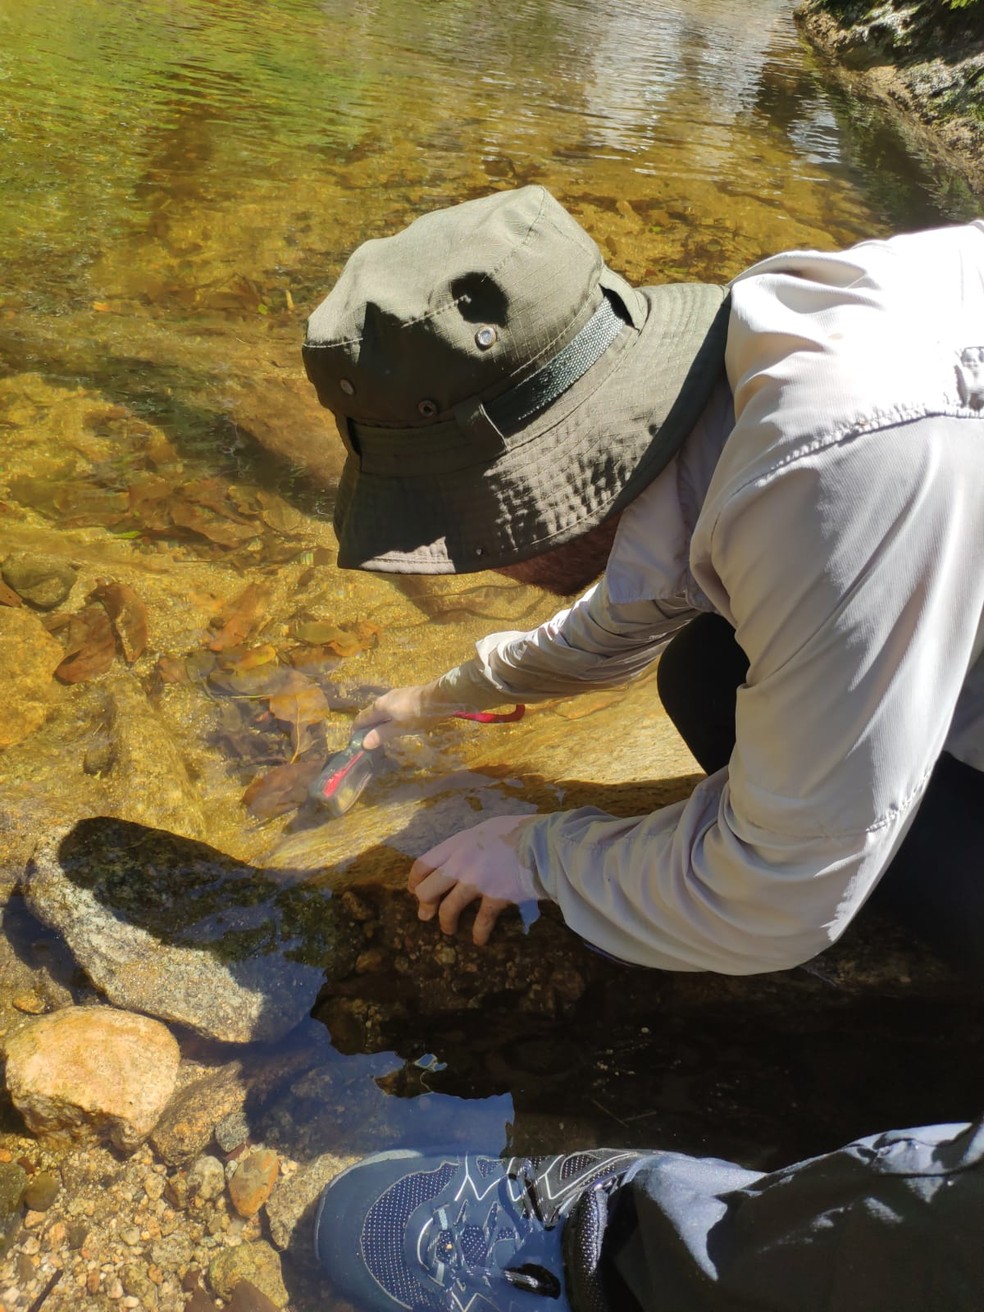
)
(477, 433)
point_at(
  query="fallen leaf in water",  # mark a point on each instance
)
(8, 597)
(248, 658)
(148, 503)
(200, 664)
(301, 704)
(102, 307)
(278, 514)
(212, 493)
(90, 646)
(344, 641)
(246, 613)
(258, 681)
(315, 659)
(128, 615)
(281, 789)
(172, 669)
(73, 502)
(223, 532)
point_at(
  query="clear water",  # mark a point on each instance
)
(181, 182)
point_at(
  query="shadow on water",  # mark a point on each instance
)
(348, 1026)
(765, 1065)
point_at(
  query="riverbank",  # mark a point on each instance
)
(920, 59)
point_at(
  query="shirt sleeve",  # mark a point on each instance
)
(860, 613)
(596, 643)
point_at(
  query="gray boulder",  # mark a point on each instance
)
(175, 929)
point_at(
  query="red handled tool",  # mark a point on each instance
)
(339, 785)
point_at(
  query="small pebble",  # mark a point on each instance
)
(31, 1003)
(42, 1190)
(232, 1131)
(253, 1183)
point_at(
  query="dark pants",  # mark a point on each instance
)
(891, 1223)
(935, 883)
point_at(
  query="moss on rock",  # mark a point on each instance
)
(921, 59)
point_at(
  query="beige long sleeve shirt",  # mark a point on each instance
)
(830, 505)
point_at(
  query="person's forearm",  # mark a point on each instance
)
(692, 888)
(591, 645)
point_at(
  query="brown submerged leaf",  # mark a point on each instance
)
(172, 669)
(279, 515)
(128, 615)
(301, 704)
(244, 615)
(223, 532)
(346, 640)
(90, 646)
(248, 658)
(281, 789)
(8, 597)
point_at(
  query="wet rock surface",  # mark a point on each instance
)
(44, 584)
(921, 60)
(180, 931)
(28, 659)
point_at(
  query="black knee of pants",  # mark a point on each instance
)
(698, 678)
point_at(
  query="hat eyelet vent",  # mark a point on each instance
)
(347, 386)
(427, 408)
(486, 337)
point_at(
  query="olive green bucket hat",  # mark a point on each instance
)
(498, 389)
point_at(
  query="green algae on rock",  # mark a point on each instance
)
(921, 59)
(176, 929)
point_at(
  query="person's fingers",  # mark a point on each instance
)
(421, 868)
(429, 893)
(453, 903)
(488, 913)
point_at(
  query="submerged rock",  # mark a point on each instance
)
(13, 1182)
(259, 1263)
(29, 657)
(141, 750)
(187, 1127)
(173, 928)
(43, 583)
(90, 1073)
(291, 1209)
(253, 1181)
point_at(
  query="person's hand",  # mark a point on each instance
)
(400, 711)
(479, 863)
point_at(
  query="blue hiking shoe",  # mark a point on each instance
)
(470, 1234)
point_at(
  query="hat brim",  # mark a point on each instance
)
(583, 459)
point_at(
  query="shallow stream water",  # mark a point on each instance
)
(181, 182)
